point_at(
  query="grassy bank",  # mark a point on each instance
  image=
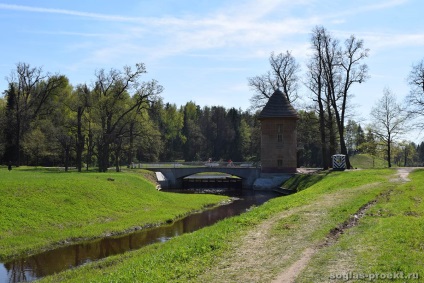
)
(41, 209)
(366, 161)
(254, 247)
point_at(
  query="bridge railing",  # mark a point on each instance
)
(212, 164)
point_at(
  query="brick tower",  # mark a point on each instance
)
(278, 135)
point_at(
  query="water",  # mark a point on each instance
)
(54, 261)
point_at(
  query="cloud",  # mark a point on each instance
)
(240, 24)
(379, 41)
(250, 29)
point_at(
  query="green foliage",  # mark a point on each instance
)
(41, 208)
(308, 137)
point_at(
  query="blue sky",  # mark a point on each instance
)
(204, 51)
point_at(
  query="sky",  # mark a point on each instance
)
(204, 51)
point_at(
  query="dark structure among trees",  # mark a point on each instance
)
(278, 135)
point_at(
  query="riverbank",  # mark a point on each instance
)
(42, 209)
(289, 237)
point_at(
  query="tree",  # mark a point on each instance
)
(332, 71)
(359, 138)
(283, 74)
(148, 144)
(112, 104)
(420, 152)
(316, 84)
(244, 140)
(415, 99)
(29, 96)
(354, 136)
(172, 122)
(352, 71)
(407, 154)
(3, 129)
(193, 147)
(79, 103)
(309, 141)
(343, 68)
(389, 120)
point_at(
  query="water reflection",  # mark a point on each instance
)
(54, 261)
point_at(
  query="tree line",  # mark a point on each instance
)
(120, 119)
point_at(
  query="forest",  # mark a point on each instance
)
(45, 120)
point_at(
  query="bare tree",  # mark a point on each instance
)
(352, 71)
(415, 99)
(315, 82)
(283, 74)
(389, 120)
(333, 70)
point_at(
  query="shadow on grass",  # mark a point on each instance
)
(301, 182)
(53, 169)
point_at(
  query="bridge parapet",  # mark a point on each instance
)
(196, 164)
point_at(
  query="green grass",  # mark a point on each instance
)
(388, 240)
(300, 182)
(41, 209)
(185, 258)
(366, 161)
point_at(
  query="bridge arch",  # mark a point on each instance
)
(173, 177)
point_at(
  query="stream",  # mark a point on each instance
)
(53, 261)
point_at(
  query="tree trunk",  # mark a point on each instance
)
(90, 146)
(330, 125)
(322, 133)
(103, 153)
(117, 152)
(18, 142)
(343, 150)
(341, 129)
(80, 140)
(67, 150)
(131, 145)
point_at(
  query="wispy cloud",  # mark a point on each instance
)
(390, 40)
(253, 28)
(95, 16)
(236, 26)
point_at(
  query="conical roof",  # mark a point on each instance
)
(278, 106)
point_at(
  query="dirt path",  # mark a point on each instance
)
(266, 254)
(403, 173)
(291, 273)
(280, 243)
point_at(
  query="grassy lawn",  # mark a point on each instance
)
(366, 161)
(41, 208)
(264, 243)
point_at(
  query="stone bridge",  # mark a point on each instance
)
(174, 174)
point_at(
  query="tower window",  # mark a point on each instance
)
(279, 133)
(280, 163)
